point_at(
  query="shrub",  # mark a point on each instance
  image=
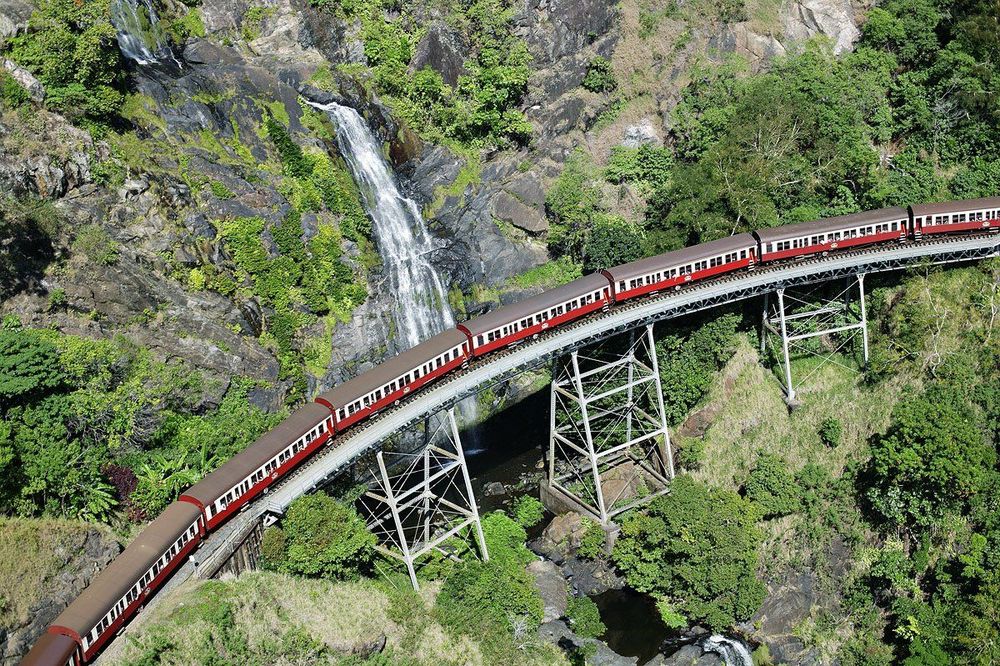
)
(220, 190)
(12, 94)
(273, 547)
(932, 460)
(830, 432)
(691, 454)
(29, 365)
(584, 617)
(94, 243)
(71, 47)
(528, 511)
(772, 486)
(592, 542)
(689, 360)
(326, 538)
(697, 547)
(599, 77)
(612, 241)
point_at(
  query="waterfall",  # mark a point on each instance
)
(405, 245)
(732, 651)
(140, 35)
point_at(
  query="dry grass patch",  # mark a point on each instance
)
(751, 416)
(34, 552)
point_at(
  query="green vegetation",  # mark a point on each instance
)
(320, 536)
(772, 487)
(599, 77)
(528, 511)
(481, 109)
(71, 48)
(688, 361)
(593, 540)
(584, 617)
(33, 554)
(98, 429)
(696, 551)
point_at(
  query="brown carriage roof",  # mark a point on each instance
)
(390, 369)
(682, 256)
(953, 206)
(50, 649)
(122, 573)
(529, 306)
(244, 463)
(787, 231)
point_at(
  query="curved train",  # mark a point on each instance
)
(120, 590)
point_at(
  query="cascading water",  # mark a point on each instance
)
(404, 243)
(733, 652)
(140, 35)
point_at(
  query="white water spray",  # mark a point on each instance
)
(140, 35)
(421, 301)
(733, 652)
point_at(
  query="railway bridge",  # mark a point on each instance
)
(220, 547)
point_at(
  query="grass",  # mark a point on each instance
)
(33, 552)
(750, 415)
(260, 613)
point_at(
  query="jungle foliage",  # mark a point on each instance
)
(97, 429)
(481, 109)
(696, 551)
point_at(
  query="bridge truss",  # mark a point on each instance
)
(609, 447)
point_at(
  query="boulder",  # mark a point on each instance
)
(689, 655)
(443, 50)
(510, 209)
(551, 586)
(621, 483)
(738, 38)
(640, 134)
(14, 15)
(528, 188)
(34, 87)
(558, 633)
(561, 536)
(836, 19)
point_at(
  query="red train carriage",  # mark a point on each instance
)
(531, 316)
(53, 650)
(673, 269)
(387, 382)
(121, 588)
(799, 240)
(253, 469)
(944, 218)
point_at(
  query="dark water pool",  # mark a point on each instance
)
(634, 625)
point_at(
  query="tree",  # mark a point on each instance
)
(613, 240)
(71, 47)
(29, 364)
(772, 486)
(695, 550)
(932, 460)
(584, 617)
(326, 538)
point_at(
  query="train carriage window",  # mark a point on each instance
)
(961, 217)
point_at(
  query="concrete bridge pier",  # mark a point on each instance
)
(609, 446)
(417, 501)
(794, 317)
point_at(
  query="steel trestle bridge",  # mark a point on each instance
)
(504, 365)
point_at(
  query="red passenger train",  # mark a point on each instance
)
(120, 590)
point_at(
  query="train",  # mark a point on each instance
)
(118, 592)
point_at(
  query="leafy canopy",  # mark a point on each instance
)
(695, 550)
